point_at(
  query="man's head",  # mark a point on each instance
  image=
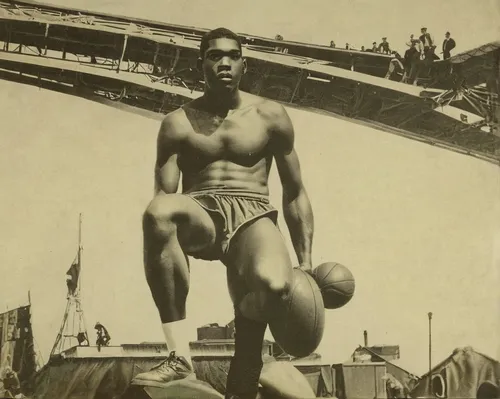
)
(447, 35)
(423, 30)
(221, 59)
(384, 39)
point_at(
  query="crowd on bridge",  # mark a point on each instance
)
(420, 55)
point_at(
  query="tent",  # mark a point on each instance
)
(465, 374)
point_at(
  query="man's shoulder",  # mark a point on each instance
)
(174, 117)
(278, 121)
(174, 124)
(271, 109)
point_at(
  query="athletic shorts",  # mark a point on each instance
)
(230, 210)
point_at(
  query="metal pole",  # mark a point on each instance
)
(80, 233)
(430, 353)
(430, 340)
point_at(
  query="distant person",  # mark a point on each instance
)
(374, 47)
(103, 336)
(384, 47)
(409, 43)
(332, 44)
(448, 45)
(394, 388)
(411, 62)
(429, 45)
(347, 46)
(280, 49)
(363, 48)
(395, 65)
(11, 382)
(420, 47)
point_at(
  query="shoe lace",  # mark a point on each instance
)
(169, 363)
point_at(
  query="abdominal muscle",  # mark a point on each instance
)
(227, 175)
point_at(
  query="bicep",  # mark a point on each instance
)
(167, 172)
(167, 175)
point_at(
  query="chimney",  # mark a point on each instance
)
(365, 334)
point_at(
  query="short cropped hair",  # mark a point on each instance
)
(219, 33)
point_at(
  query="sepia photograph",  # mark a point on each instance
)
(255, 199)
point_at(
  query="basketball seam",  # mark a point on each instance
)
(331, 270)
(315, 305)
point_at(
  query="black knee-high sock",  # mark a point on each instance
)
(246, 364)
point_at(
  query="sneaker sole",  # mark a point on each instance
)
(158, 384)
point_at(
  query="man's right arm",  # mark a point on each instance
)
(167, 172)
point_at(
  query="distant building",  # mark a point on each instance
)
(385, 352)
(214, 331)
(372, 372)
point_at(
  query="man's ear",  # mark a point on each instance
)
(245, 65)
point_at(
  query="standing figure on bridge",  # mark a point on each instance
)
(428, 44)
(223, 145)
(448, 45)
(384, 46)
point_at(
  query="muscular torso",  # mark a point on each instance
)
(232, 152)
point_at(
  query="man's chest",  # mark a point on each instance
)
(237, 134)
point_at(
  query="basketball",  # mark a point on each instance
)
(336, 283)
(298, 329)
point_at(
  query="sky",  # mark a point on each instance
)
(417, 225)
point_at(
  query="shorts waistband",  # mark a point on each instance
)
(228, 192)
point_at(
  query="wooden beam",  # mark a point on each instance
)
(47, 26)
(157, 50)
(299, 81)
(125, 40)
(176, 59)
(258, 83)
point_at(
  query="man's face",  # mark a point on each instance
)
(423, 31)
(447, 35)
(223, 65)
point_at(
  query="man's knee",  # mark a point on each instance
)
(275, 280)
(158, 216)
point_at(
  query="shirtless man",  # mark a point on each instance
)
(223, 144)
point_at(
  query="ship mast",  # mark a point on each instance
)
(73, 330)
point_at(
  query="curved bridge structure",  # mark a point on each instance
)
(150, 67)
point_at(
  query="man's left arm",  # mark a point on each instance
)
(297, 208)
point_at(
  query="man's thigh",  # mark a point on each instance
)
(194, 226)
(258, 259)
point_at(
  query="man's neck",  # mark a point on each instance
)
(222, 103)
